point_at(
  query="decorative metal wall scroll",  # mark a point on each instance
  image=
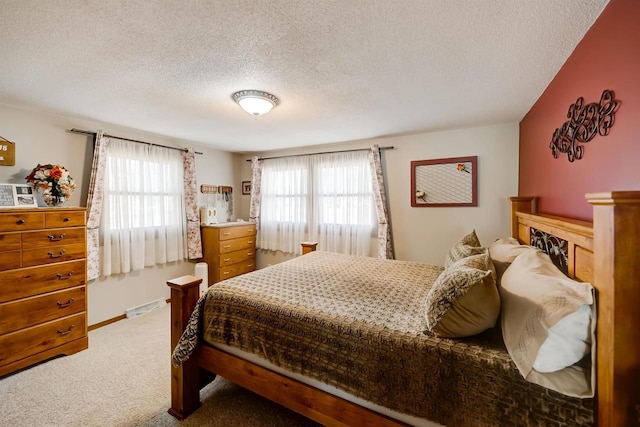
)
(584, 123)
(555, 247)
(444, 182)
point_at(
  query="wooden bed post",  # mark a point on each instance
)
(616, 230)
(521, 204)
(185, 379)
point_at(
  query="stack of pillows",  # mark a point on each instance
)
(547, 319)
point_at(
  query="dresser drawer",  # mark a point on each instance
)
(53, 237)
(9, 242)
(48, 255)
(21, 344)
(228, 233)
(10, 260)
(237, 256)
(64, 219)
(10, 221)
(237, 244)
(27, 312)
(31, 281)
(236, 270)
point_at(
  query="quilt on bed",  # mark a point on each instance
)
(357, 323)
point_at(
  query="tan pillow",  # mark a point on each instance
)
(463, 300)
(468, 245)
(503, 252)
(535, 296)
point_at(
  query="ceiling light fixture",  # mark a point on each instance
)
(255, 102)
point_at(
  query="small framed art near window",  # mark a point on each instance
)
(444, 182)
(246, 187)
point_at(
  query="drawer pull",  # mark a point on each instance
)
(65, 304)
(227, 246)
(66, 219)
(52, 255)
(227, 259)
(250, 242)
(249, 265)
(67, 332)
(20, 221)
(63, 277)
(226, 234)
(56, 239)
(250, 231)
(226, 272)
(249, 253)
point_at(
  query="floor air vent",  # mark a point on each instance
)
(145, 308)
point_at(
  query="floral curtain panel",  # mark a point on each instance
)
(194, 239)
(94, 205)
(385, 245)
(256, 190)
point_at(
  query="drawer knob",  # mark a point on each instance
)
(20, 221)
(63, 277)
(67, 332)
(52, 255)
(65, 304)
(53, 238)
(66, 219)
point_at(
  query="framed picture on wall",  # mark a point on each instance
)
(246, 187)
(17, 196)
(444, 182)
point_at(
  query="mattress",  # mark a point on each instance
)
(357, 324)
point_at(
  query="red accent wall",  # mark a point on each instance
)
(608, 57)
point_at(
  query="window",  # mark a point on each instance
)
(143, 216)
(327, 198)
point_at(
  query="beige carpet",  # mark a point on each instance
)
(123, 379)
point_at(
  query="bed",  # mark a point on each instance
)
(601, 253)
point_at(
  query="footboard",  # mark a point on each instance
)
(185, 379)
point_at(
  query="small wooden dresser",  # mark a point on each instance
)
(228, 249)
(43, 293)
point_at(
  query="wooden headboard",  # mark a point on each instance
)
(576, 235)
(604, 253)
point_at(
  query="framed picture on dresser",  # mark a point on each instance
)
(17, 196)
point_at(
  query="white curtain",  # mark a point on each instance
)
(326, 198)
(284, 204)
(343, 213)
(143, 217)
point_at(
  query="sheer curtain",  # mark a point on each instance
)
(284, 204)
(143, 221)
(343, 213)
(327, 198)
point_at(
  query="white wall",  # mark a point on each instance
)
(425, 234)
(42, 138)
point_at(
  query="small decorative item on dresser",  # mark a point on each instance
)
(54, 182)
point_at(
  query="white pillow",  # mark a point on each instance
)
(536, 296)
(568, 342)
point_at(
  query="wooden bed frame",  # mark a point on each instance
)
(604, 253)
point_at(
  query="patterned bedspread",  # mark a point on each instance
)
(357, 323)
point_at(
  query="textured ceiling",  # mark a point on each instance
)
(344, 70)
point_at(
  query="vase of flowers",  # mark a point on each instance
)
(53, 182)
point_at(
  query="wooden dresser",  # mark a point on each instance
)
(43, 293)
(228, 249)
